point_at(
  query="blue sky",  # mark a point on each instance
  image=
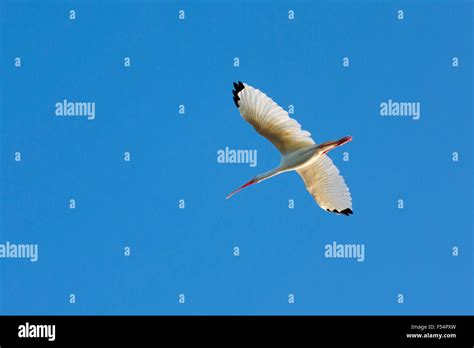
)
(190, 251)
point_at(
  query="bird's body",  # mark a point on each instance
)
(299, 151)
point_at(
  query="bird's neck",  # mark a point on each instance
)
(269, 174)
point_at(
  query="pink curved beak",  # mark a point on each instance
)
(240, 188)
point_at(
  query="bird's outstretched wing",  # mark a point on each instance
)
(269, 119)
(328, 188)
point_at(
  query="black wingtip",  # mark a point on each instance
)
(238, 86)
(346, 211)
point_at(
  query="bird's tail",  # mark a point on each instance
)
(329, 145)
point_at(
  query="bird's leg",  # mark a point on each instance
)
(329, 145)
(253, 181)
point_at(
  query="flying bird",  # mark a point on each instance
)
(298, 150)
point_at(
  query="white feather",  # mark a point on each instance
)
(271, 121)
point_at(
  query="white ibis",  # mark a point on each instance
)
(298, 150)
